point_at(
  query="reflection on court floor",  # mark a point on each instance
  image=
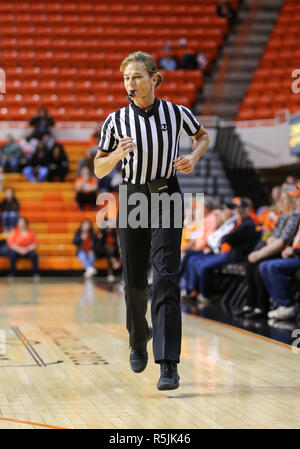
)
(64, 363)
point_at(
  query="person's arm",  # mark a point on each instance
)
(77, 238)
(239, 235)
(186, 163)
(273, 248)
(105, 162)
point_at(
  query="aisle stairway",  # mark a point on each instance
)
(66, 55)
(240, 56)
(54, 215)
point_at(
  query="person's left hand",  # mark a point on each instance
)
(253, 257)
(185, 164)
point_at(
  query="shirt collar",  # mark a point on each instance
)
(144, 113)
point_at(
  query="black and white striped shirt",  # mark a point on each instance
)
(156, 135)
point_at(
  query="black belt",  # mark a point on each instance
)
(159, 185)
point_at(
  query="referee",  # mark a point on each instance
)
(145, 136)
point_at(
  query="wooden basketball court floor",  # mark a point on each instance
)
(64, 364)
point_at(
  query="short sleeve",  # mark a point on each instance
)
(290, 228)
(108, 142)
(190, 124)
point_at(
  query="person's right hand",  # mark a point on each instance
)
(126, 145)
(287, 252)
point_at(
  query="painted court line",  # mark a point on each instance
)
(48, 426)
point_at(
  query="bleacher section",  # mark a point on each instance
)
(54, 215)
(66, 55)
(270, 89)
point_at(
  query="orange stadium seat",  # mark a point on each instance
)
(63, 31)
(280, 57)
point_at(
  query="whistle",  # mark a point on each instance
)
(131, 95)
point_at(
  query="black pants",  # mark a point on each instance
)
(161, 246)
(258, 295)
(86, 198)
(31, 255)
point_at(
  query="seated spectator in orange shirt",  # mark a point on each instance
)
(22, 243)
(86, 186)
(198, 240)
(267, 216)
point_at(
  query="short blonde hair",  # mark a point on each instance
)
(146, 60)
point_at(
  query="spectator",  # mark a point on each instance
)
(28, 148)
(48, 141)
(274, 274)
(23, 243)
(268, 215)
(37, 169)
(58, 163)
(186, 57)
(86, 241)
(86, 186)
(224, 9)
(198, 239)
(167, 58)
(10, 211)
(10, 155)
(1, 178)
(236, 245)
(108, 247)
(258, 297)
(42, 123)
(291, 180)
(202, 61)
(87, 160)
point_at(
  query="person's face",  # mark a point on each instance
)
(227, 213)
(286, 203)
(85, 226)
(85, 173)
(290, 180)
(136, 77)
(56, 152)
(276, 193)
(8, 194)
(22, 224)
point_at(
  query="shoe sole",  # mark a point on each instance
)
(140, 370)
(168, 387)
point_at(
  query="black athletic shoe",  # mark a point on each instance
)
(139, 357)
(169, 378)
(255, 315)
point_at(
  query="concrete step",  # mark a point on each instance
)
(246, 51)
(258, 40)
(266, 4)
(262, 16)
(232, 91)
(241, 64)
